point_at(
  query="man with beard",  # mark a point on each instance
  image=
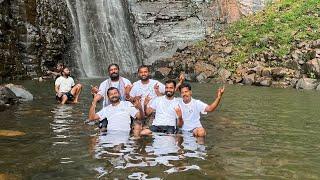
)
(117, 112)
(115, 80)
(191, 109)
(65, 88)
(168, 115)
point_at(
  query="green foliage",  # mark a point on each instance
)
(278, 26)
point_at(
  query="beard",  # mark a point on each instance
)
(169, 93)
(114, 76)
(144, 78)
(114, 99)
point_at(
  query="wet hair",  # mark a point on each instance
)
(143, 66)
(110, 89)
(171, 81)
(185, 85)
(113, 64)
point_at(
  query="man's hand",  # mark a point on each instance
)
(94, 90)
(181, 78)
(178, 112)
(96, 98)
(127, 90)
(137, 102)
(157, 89)
(146, 100)
(220, 92)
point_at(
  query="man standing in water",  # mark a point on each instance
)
(115, 80)
(66, 90)
(117, 112)
(191, 109)
(168, 113)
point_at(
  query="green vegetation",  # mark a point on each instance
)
(275, 28)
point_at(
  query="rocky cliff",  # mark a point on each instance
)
(163, 27)
(34, 36)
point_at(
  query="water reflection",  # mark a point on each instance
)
(123, 151)
(62, 123)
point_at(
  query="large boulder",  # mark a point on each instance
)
(20, 92)
(224, 74)
(202, 67)
(307, 83)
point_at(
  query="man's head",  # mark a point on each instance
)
(60, 66)
(113, 71)
(144, 73)
(170, 87)
(185, 91)
(113, 95)
(66, 72)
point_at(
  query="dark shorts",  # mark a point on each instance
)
(68, 94)
(163, 129)
(104, 123)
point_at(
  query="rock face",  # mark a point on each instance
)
(34, 36)
(7, 98)
(20, 92)
(163, 27)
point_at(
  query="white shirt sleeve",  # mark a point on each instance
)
(58, 81)
(132, 110)
(201, 106)
(102, 89)
(133, 91)
(102, 114)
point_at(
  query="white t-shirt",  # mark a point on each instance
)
(191, 113)
(104, 86)
(143, 90)
(118, 116)
(165, 113)
(65, 84)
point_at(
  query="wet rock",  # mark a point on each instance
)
(266, 72)
(266, 82)
(313, 66)
(249, 79)
(10, 133)
(280, 84)
(224, 74)
(162, 72)
(202, 67)
(306, 83)
(7, 98)
(201, 77)
(20, 92)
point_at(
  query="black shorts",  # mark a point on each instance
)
(68, 94)
(163, 129)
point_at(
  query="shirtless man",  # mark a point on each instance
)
(66, 90)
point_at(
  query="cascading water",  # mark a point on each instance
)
(105, 36)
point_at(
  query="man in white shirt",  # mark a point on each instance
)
(118, 113)
(115, 80)
(66, 90)
(168, 115)
(191, 109)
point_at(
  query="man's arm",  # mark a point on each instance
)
(216, 102)
(181, 81)
(137, 105)
(92, 111)
(56, 88)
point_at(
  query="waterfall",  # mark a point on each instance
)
(105, 36)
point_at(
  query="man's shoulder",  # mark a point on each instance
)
(125, 80)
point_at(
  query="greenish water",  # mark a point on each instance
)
(256, 133)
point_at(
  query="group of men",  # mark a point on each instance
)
(146, 106)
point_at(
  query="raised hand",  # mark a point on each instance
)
(137, 103)
(178, 112)
(94, 89)
(127, 89)
(146, 100)
(182, 77)
(157, 89)
(220, 92)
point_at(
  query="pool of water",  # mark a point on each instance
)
(256, 133)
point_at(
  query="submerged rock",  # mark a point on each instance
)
(307, 83)
(10, 133)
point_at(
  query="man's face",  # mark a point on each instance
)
(169, 89)
(66, 72)
(114, 96)
(114, 72)
(143, 74)
(186, 94)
